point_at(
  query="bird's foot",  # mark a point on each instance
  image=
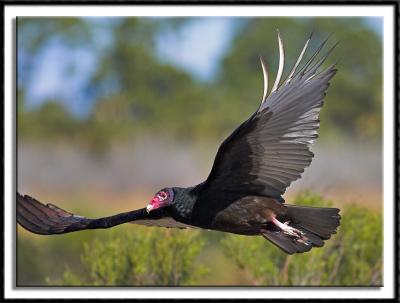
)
(288, 230)
(293, 232)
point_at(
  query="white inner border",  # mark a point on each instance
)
(387, 12)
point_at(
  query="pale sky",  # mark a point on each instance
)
(198, 47)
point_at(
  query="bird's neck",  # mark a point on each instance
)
(184, 201)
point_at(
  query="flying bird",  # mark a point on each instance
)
(252, 169)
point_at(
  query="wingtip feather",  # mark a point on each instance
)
(281, 63)
(299, 59)
(265, 75)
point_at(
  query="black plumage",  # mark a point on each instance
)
(251, 171)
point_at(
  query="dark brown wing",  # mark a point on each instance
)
(168, 222)
(49, 219)
(271, 149)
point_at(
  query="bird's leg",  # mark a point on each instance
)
(288, 230)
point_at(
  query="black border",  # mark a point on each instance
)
(396, 113)
(202, 2)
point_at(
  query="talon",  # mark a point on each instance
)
(288, 230)
(304, 241)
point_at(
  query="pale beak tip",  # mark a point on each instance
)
(149, 208)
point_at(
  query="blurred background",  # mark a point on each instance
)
(110, 110)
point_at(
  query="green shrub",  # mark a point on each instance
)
(135, 255)
(351, 257)
(147, 256)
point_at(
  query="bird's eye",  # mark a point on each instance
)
(162, 195)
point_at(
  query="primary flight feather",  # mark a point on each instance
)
(251, 171)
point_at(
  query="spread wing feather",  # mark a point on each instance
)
(272, 148)
(168, 222)
(49, 219)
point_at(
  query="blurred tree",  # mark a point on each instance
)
(50, 121)
(148, 96)
(151, 257)
(135, 94)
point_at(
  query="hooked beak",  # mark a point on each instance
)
(149, 207)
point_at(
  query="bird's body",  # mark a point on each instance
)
(251, 171)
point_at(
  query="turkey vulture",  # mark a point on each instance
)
(251, 171)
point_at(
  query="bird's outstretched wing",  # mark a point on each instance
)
(49, 219)
(271, 149)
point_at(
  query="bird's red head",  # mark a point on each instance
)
(163, 198)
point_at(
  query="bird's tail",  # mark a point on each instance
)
(306, 227)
